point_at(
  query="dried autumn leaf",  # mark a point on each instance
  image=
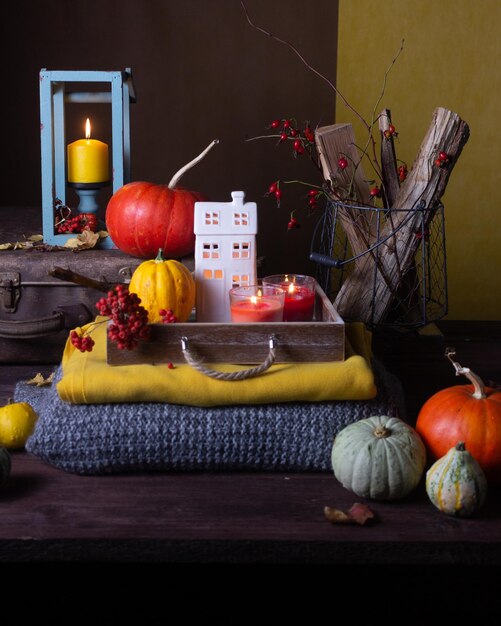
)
(40, 381)
(35, 238)
(83, 241)
(6, 246)
(336, 516)
(360, 513)
(72, 243)
(103, 233)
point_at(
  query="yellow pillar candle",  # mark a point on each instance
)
(88, 160)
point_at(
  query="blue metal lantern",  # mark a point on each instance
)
(53, 98)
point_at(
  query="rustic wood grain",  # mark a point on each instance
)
(332, 142)
(391, 184)
(320, 340)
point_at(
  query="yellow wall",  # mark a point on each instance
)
(451, 58)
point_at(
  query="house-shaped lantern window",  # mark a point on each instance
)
(225, 253)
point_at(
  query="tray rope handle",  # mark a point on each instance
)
(230, 376)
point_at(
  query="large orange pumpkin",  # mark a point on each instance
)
(469, 413)
(142, 217)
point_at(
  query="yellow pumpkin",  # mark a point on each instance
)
(165, 285)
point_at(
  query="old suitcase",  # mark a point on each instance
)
(36, 309)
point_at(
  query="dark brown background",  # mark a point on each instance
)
(200, 72)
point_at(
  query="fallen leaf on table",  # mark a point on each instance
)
(358, 514)
(35, 238)
(6, 246)
(103, 233)
(40, 381)
(336, 516)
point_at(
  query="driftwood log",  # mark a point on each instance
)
(391, 184)
(332, 142)
(369, 290)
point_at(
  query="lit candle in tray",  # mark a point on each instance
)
(299, 295)
(257, 304)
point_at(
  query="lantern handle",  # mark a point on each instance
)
(477, 382)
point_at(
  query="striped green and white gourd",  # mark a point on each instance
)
(456, 483)
(379, 457)
(4, 464)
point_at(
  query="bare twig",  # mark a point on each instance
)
(305, 62)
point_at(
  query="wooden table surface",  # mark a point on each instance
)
(47, 514)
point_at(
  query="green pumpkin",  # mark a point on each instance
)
(4, 464)
(380, 457)
(456, 483)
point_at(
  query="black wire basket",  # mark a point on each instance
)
(368, 284)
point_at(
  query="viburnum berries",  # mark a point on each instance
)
(288, 129)
(402, 172)
(168, 316)
(293, 223)
(298, 146)
(129, 320)
(342, 163)
(375, 192)
(390, 132)
(308, 133)
(84, 343)
(65, 222)
(442, 159)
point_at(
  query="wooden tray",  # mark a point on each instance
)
(320, 340)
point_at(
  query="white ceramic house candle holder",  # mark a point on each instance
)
(225, 254)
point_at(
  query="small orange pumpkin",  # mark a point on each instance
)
(468, 413)
(165, 285)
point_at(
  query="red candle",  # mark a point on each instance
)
(256, 309)
(299, 303)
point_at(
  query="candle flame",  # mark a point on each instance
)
(259, 293)
(292, 289)
(253, 300)
(87, 129)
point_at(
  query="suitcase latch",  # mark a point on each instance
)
(10, 291)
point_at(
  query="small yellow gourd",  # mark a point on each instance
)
(17, 423)
(456, 483)
(165, 285)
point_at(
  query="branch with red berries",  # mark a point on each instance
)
(128, 321)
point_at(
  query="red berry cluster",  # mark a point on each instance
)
(375, 192)
(129, 319)
(167, 316)
(293, 223)
(442, 159)
(274, 190)
(77, 223)
(84, 343)
(402, 172)
(313, 195)
(390, 132)
(288, 129)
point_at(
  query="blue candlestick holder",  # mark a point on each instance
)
(88, 194)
